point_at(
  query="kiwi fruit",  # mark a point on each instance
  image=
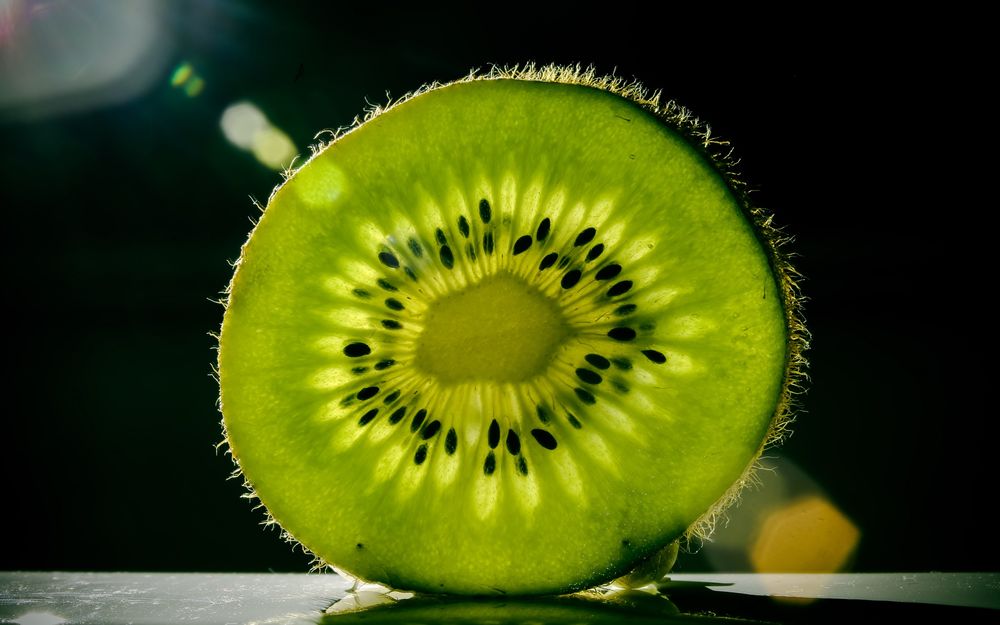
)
(512, 334)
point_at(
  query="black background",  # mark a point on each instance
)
(119, 223)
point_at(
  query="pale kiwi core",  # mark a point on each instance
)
(500, 330)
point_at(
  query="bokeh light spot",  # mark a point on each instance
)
(194, 86)
(246, 127)
(10, 11)
(241, 122)
(181, 74)
(809, 535)
(273, 148)
(64, 56)
(185, 78)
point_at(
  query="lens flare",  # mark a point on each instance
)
(194, 86)
(10, 14)
(787, 524)
(273, 148)
(63, 56)
(246, 127)
(181, 74)
(241, 122)
(810, 535)
(187, 79)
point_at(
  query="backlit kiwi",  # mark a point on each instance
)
(513, 334)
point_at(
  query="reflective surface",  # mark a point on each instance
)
(53, 598)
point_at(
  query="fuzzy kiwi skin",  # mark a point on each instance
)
(795, 338)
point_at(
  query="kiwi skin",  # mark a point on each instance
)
(772, 240)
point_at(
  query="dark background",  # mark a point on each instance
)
(119, 222)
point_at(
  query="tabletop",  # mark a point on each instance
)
(53, 598)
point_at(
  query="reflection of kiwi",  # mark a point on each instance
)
(631, 607)
(513, 334)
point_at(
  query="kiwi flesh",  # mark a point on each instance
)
(513, 334)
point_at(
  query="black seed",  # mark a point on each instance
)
(648, 326)
(368, 416)
(573, 420)
(598, 361)
(389, 259)
(488, 242)
(356, 350)
(391, 397)
(588, 376)
(398, 415)
(563, 262)
(513, 443)
(522, 244)
(418, 420)
(384, 364)
(359, 370)
(619, 288)
(394, 304)
(441, 239)
(490, 465)
(543, 414)
(485, 212)
(470, 251)
(409, 274)
(463, 226)
(522, 465)
(447, 259)
(385, 284)
(421, 454)
(493, 437)
(430, 429)
(543, 229)
(363, 294)
(347, 401)
(625, 310)
(654, 356)
(608, 272)
(544, 438)
(622, 334)
(451, 442)
(595, 251)
(620, 386)
(585, 237)
(415, 247)
(548, 261)
(622, 363)
(390, 324)
(360, 546)
(571, 278)
(585, 396)
(626, 543)
(367, 392)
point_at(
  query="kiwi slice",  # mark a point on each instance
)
(513, 334)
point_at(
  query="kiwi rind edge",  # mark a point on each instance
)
(719, 153)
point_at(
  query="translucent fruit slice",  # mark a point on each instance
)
(508, 336)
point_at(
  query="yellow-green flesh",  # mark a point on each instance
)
(673, 417)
